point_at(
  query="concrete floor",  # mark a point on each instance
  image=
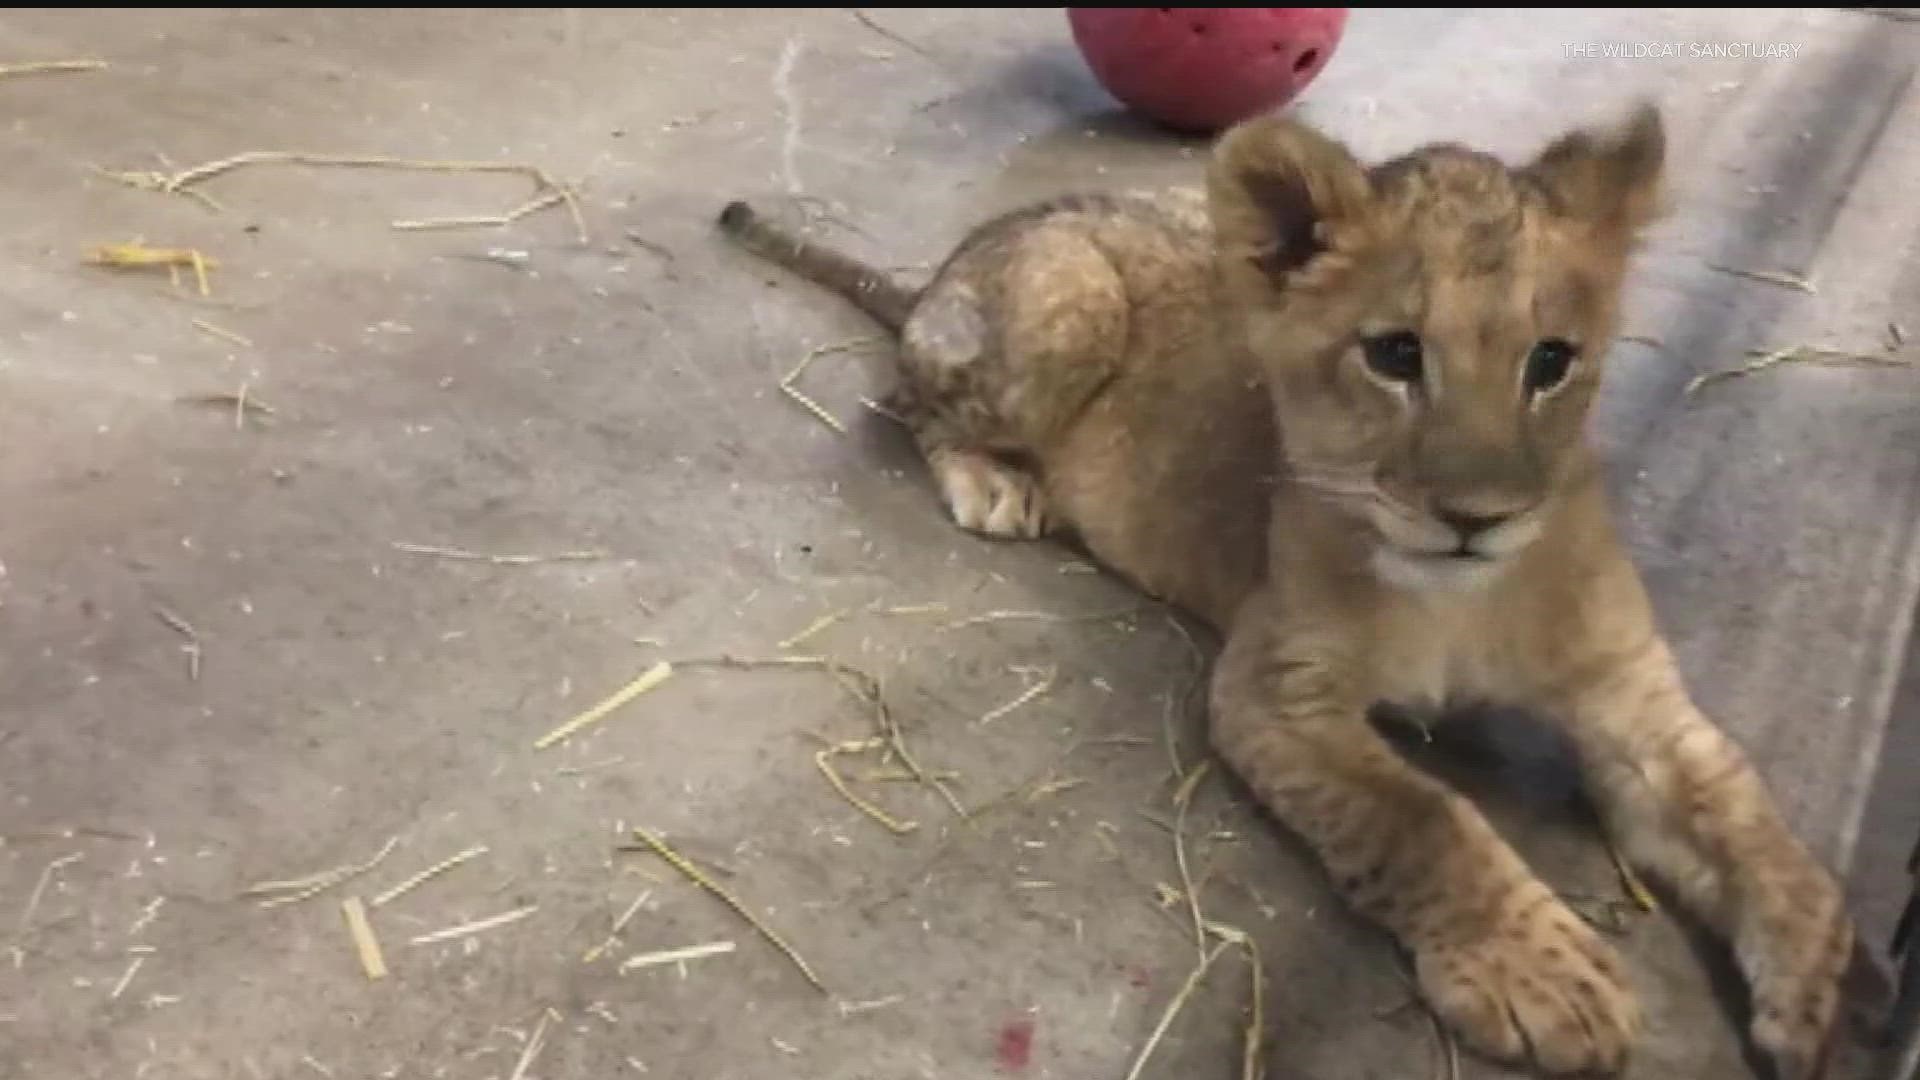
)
(621, 396)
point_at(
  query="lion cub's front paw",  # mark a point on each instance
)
(1796, 979)
(1539, 989)
(987, 496)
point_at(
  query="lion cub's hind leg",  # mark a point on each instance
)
(943, 349)
(998, 358)
(984, 492)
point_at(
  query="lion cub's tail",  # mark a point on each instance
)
(871, 289)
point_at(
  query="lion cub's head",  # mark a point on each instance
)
(1432, 327)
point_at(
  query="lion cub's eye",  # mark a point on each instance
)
(1395, 356)
(1548, 364)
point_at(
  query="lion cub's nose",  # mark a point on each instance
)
(1470, 525)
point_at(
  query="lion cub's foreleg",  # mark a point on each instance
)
(998, 359)
(1685, 804)
(1498, 956)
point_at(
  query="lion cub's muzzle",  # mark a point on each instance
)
(1447, 548)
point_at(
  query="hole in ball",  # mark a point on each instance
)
(1306, 60)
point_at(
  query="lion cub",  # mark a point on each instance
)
(1337, 411)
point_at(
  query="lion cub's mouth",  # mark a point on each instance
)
(1460, 556)
(1456, 570)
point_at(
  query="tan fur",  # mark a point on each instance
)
(1181, 382)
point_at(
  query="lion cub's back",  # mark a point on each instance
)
(1132, 226)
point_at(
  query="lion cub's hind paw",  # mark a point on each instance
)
(990, 497)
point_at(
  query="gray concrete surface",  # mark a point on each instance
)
(621, 396)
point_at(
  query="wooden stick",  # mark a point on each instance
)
(1173, 1009)
(547, 191)
(648, 680)
(675, 956)
(428, 874)
(461, 555)
(699, 877)
(364, 942)
(478, 926)
(535, 1044)
(49, 67)
(312, 885)
(1039, 686)
(824, 759)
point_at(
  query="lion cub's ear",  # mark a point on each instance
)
(1609, 179)
(1279, 192)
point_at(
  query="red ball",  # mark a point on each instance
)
(1204, 69)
